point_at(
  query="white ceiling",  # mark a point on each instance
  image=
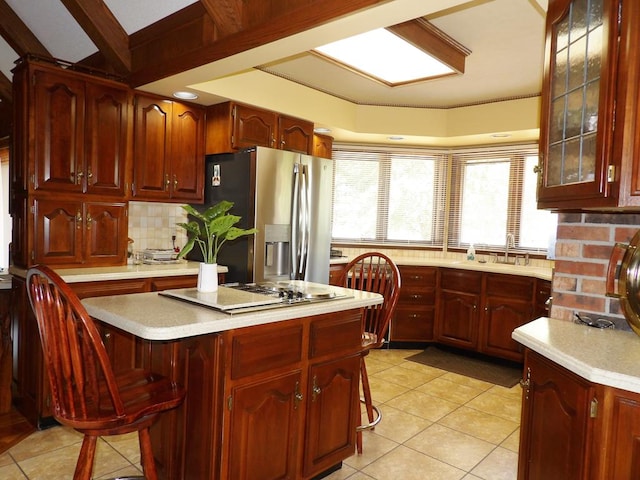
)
(505, 37)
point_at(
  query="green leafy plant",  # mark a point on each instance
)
(211, 229)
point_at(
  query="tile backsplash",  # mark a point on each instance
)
(151, 225)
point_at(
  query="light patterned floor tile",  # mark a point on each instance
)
(501, 464)
(498, 405)
(398, 425)
(374, 446)
(403, 376)
(408, 464)
(422, 405)
(480, 424)
(437, 440)
(448, 390)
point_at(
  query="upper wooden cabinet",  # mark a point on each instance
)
(168, 150)
(72, 131)
(322, 145)
(589, 141)
(233, 126)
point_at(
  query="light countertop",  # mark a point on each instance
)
(124, 272)
(605, 356)
(155, 317)
(543, 273)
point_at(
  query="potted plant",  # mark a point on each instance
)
(210, 230)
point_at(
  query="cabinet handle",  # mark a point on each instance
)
(526, 384)
(166, 180)
(315, 389)
(78, 219)
(89, 220)
(79, 176)
(89, 173)
(298, 397)
(416, 296)
(175, 182)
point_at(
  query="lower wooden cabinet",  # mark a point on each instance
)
(555, 423)
(415, 312)
(572, 429)
(291, 397)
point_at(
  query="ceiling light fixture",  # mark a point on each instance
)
(321, 130)
(395, 138)
(405, 53)
(185, 95)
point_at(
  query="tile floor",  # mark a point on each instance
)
(436, 426)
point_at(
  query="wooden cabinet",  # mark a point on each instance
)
(508, 304)
(322, 145)
(291, 397)
(413, 320)
(6, 349)
(77, 136)
(67, 233)
(458, 320)
(233, 126)
(556, 424)
(590, 106)
(335, 272)
(168, 150)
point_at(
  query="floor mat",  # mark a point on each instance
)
(13, 428)
(496, 371)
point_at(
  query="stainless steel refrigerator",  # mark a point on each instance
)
(287, 197)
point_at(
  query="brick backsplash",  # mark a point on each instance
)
(151, 225)
(584, 245)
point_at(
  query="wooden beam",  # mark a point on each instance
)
(226, 14)
(169, 51)
(6, 92)
(17, 35)
(103, 29)
(427, 37)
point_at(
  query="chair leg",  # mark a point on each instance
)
(373, 413)
(146, 455)
(84, 467)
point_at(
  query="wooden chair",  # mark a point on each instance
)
(372, 272)
(86, 394)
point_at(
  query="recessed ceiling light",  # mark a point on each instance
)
(384, 56)
(500, 135)
(395, 138)
(322, 130)
(185, 95)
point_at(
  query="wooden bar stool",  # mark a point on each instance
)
(372, 272)
(86, 394)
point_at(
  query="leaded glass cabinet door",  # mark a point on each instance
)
(578, 104)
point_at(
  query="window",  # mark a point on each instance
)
(386, 196)
(396, 196)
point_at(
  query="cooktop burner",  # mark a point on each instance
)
(287, 291)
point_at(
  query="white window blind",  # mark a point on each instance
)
(389, 196)
(493, 194)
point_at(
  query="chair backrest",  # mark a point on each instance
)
(83, 386)
(374, 272)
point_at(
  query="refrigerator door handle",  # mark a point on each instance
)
(300, 222)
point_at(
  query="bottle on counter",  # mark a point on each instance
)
(471, 253)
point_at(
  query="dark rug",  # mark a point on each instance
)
(496, 371)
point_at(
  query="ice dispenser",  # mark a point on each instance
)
(276, 252)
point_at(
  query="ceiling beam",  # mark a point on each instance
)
(226, 14)
(6, 92)
(427, 37)
(170, 51)
(103, 29)
(17, 35)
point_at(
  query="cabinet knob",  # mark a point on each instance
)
(89, 220)
(78, 219)
(175, 182)
(297, 397)
(89, 173)
(315, 389)
(166, 180)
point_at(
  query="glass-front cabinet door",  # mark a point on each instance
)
(578, 100)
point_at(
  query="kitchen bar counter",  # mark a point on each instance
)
(154, 317)
(604, 356)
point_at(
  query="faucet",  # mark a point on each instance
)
(510, 243)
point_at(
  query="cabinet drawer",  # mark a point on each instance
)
(413, 324)
(418, 276)
(461, 280)
(272, 348)
(417, 297)
(166, 283)
(335, 332)
(110, 287)
(511, 286)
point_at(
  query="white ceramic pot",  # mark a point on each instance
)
(208, 277)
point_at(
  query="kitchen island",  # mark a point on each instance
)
(581, 402)
(270, 394)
